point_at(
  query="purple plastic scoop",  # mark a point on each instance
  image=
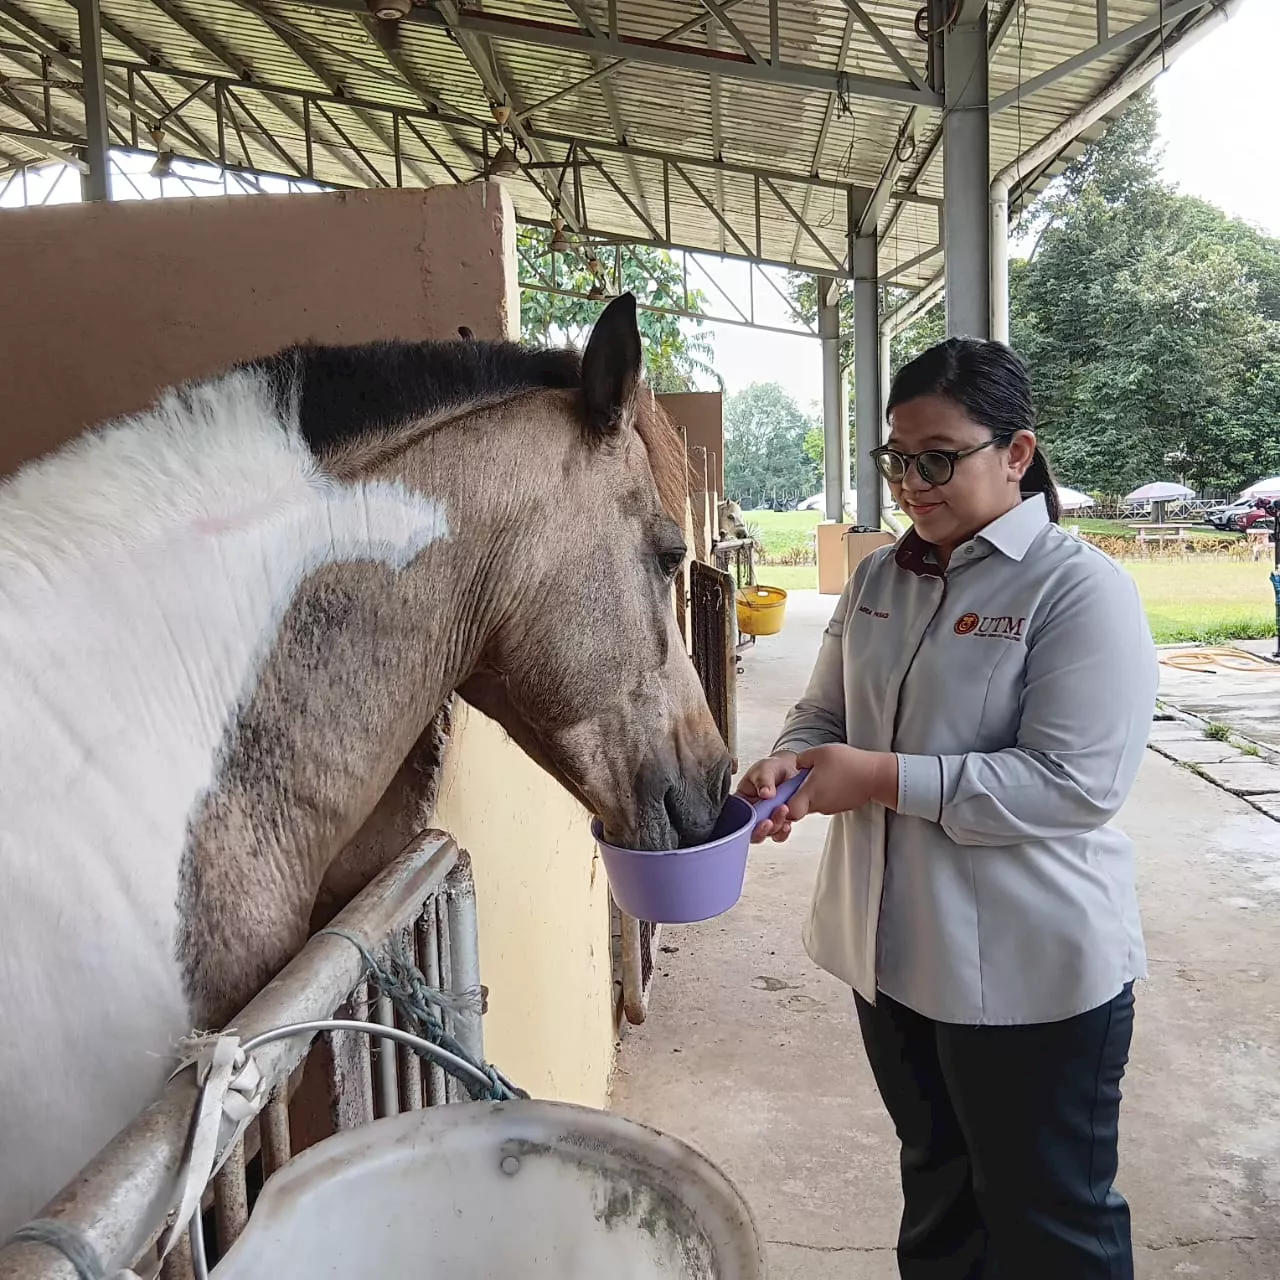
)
(680, 886)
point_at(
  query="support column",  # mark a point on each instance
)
(866, 375)
(835, 439)
(886, 385)
(966, 152)
(95, 181)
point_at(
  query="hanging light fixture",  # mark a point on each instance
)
(162, 167)
(504, 162)
(559, 241)
(599, 280)
(389, 10)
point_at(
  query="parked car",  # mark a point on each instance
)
(1256, 518)
(1223, 516)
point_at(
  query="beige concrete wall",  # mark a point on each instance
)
(103, 305)
(543, 901)
(701, 414)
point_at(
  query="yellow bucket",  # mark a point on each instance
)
(761, 610)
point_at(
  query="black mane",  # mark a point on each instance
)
(343, 393)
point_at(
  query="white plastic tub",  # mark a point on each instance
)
(499, 1191)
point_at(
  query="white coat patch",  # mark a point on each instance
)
(144, 574)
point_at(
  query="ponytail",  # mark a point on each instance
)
(1038, 478)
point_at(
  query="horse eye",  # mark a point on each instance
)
(672, 561)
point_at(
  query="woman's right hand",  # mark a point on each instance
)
(761, 782)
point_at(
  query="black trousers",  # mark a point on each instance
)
(1009, 1138)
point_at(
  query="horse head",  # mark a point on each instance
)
(729, 520)
(585, 666)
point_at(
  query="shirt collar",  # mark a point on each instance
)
(1011, 534)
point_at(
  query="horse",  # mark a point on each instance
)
(729, 520)
(228, 625)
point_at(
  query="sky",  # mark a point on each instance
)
(1217, 111)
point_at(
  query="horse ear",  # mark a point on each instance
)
(465, 334)
(611, 369)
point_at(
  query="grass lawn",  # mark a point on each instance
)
(1188, 601)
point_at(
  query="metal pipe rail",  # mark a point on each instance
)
(118, 1204)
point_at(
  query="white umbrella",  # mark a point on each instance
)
(1161, 491)
(1073, 499)
(1263, 489)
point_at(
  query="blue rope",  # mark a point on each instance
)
(421, 1006)
(82, 1256)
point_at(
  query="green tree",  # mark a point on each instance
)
(1150, 323)
(678, 352)
(765, 458)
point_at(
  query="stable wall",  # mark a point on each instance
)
(701, 414)
(102, 305)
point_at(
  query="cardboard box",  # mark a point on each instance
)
(832, 574)
(857, 546)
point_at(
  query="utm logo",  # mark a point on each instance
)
(1003, 628)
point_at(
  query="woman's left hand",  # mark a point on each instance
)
(843, 778)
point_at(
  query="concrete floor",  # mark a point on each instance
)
(750, 1053)
(1247, 701)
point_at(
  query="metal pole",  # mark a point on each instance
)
(886, 385)
(835, 444)
(95, 183)
(866, 375)
(966, 149)
(464, 952)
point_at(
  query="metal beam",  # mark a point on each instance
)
(297, 44)
(736, 33)
(95, 184)
(894, 54)
(866, 375)
(657, 53)
(1170, 12)
(835, 440)
(1003, 25)
(717, 138)
(820, 147)
(1103, 21)
(610, 99)
(475, 48)
(966, 169)
(608, 68)
(889, 174)
(32, 141)
(903, 267)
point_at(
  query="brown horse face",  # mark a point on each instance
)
(587, 669)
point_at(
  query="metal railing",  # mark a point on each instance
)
(736, 557)
(424, 904)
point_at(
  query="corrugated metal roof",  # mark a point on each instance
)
(692, 139)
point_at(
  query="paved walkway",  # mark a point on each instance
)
(751, 1053)
(1247, 701)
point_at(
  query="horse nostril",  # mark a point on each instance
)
(726, 781)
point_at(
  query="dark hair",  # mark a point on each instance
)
(989, 381)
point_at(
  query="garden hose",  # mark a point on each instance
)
(1212, 658)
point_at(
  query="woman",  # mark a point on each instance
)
(976, 717)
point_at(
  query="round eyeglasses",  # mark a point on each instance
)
(935, 466)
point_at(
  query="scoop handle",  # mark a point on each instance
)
(763, 809)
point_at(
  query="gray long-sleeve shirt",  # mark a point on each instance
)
(1017, 690)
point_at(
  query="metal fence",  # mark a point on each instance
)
(424, 903)
(736, 557)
